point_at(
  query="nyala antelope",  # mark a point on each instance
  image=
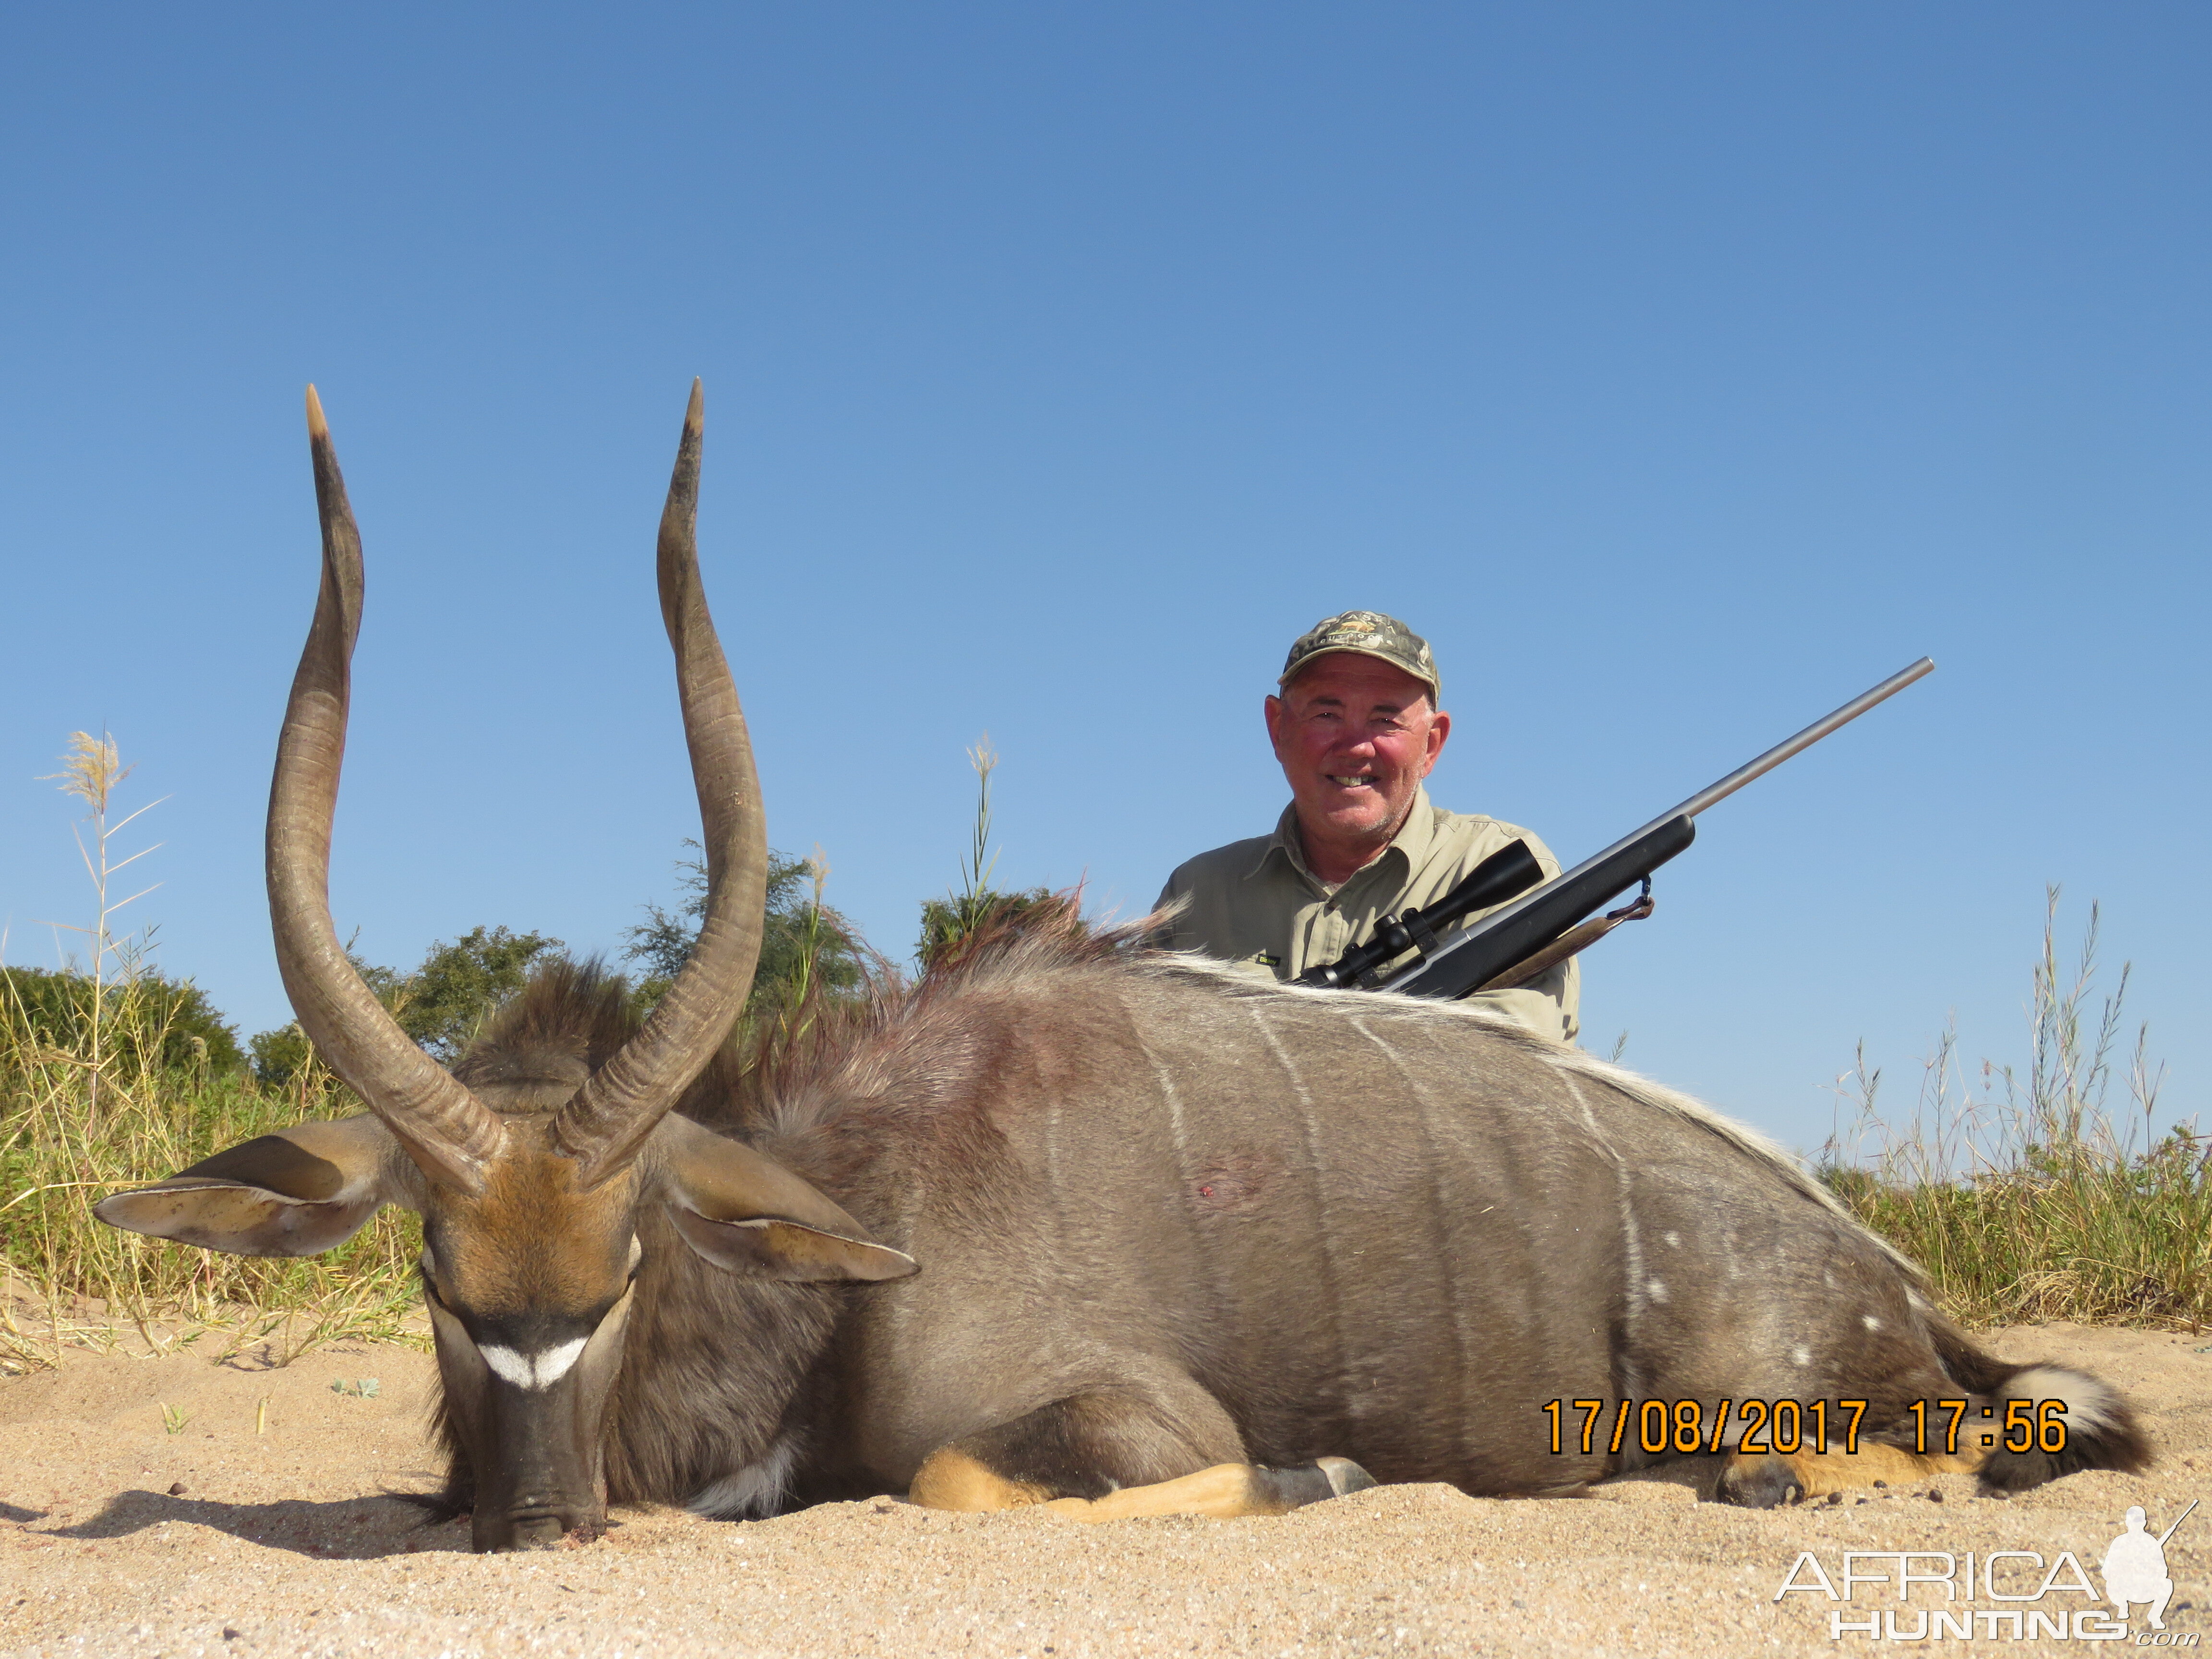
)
(1068, 1224)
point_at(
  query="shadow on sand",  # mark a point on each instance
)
(350, 1529)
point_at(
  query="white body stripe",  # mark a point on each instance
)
(1564, 1058)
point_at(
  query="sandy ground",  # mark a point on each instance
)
(257, 1527)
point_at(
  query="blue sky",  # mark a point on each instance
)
(1680, 371)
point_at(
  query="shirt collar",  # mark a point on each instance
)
(1412, 841)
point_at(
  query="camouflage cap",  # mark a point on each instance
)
(1372, 634)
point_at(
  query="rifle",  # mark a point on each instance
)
(1546, 924)
(1512, 869)
(2176, 1526)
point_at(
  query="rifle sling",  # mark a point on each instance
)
(1575, 938)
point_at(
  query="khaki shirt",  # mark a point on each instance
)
(1256, 904)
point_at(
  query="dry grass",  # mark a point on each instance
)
(95, 1109)
(2050, 1196)
(72, 1131)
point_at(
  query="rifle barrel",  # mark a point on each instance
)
(2176, 1526)
(1767, 761)
(1804, 740)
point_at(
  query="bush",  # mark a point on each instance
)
(441, 1004)
(147, 1023)
(947, 924)
(805, 944)
(280, 1055)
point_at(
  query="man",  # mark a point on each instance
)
(1356, 728)
(2135, 1568)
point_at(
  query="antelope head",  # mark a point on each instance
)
(530, 1198)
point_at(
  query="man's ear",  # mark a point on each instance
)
(299, 1192)
(748, 1215)
(1439, 730)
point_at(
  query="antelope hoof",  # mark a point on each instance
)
(1767, 1483)
(1345, 1476)
(539, 1532)
(1312, 1482)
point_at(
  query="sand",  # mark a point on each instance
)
(258, 1528)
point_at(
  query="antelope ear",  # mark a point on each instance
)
(748, 1215)
(298, 1192)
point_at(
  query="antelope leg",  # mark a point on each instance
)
(1760, 1480)
(1224, 1492)
(1158, 1446)
(951, 1479)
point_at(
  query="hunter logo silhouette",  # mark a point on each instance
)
(2134, 1568)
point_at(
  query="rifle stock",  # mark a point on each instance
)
(1512, 869)
(1484, 951)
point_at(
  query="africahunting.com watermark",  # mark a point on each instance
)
(2029, 1598)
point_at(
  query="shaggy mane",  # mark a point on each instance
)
(787, 1071)
(570, 1019)
(790, 1075)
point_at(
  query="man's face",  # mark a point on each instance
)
(1356, 736)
